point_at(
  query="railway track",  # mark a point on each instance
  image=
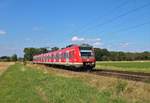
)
(135, 76)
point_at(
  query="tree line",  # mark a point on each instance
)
(9, 58)
(105, 55)
(30, 52)
(100, 55)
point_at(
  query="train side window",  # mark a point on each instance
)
(70, 54)
(63, 55)
(66, 55)
(52, 56)
(43, 58)
(57, 56)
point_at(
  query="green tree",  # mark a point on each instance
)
(14, 57)
(42, 50)
(30, 52)
(4, 58)
(101, 54)
(54, 48)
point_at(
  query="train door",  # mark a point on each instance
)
(67, 57)
(71, 56)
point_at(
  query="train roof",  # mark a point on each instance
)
(67, 47)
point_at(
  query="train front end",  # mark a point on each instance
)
(87, 56)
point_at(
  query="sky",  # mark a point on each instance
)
(117, 25)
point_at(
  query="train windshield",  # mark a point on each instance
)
(86, 51)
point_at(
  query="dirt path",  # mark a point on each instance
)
(4, 66)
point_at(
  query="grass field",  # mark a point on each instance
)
(40, 84)
(4, 66)
(135, 66)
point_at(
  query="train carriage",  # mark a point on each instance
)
(78, 56)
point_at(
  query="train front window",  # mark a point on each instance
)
(86, 53)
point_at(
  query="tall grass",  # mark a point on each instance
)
(20, 84)
(39, 84)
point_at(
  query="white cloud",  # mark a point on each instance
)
(2, 32)
(92, 39)
(75, 38)
(96, 42)
(124, 45)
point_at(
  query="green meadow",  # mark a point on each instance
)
(35, 84)
(134, 66)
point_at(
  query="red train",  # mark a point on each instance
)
(77, 56)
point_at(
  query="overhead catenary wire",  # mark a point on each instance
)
(131, 27)
(119, 16)
(113, 10)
